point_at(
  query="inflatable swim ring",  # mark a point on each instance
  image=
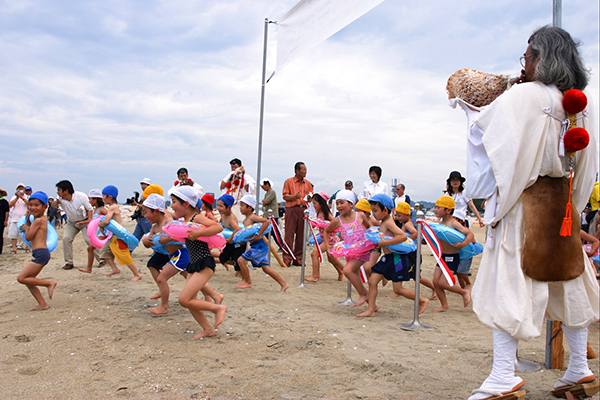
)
(121, 233)
(311, 240)
(159, 247)
(94, 233)
(342, 249)
(228, 232)
(321, 223)
(595, 257)
(178, 230)
(249, 232)
(375, 236)
(453, 236)
(51, 236)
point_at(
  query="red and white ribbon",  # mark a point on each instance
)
(279, 238)
(436, 248)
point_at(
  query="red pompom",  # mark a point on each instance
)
(236, 182)
(576, 139)
(574, 101)
(176, 183)
(228, 185)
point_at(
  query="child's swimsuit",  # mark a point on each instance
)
(40, 256)
(257, 254)
(393, 267)
(354, 233)
(200, 256)
(451, 260)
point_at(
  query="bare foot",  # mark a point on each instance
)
(385, 282)
(311, 279)
(361, 300)
(87, 271)
(220, 315)
(244, 285)
(423, 306)
(114, 272)
(160, 310)
(51, 289)
(136, 278)
(40, 307)
(219, 298)
(441, 309)
(237, 273)
(433, 296)
(340, 276)
(156, 296)
(285, 287)
(392, 295)
(366, 313)
(467, 298)
(206, 333)
(226, 267)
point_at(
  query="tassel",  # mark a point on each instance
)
(567, 224)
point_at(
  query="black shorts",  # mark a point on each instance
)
(199, 265)
(158, 260)
(393, 267)
(231, 252)
(452, 261)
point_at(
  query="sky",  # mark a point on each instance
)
(109, 92)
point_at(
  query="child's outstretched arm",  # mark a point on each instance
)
(399, 235)
(591, 240)
(265, 223)
(469, 236)
(333, 225)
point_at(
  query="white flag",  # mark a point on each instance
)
(312, 21)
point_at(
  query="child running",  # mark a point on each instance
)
(97, 204)
(393, 266)
(363, 207)
(353, 227)
(202, 263)
(207, 206)
(319, 201)
(444, 207)
(118, 247)
(36, 233)
(258, 253)
(232, 251)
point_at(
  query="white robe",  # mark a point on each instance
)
(522, 143)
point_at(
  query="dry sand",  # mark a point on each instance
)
(99, 341)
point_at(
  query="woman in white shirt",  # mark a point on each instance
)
(374, 186)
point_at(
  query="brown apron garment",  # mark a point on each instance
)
(547, 256)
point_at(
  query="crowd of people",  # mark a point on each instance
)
(512, 293)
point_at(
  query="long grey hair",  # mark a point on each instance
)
(559, 62)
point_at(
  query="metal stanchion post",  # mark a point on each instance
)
(348, 301)
(270, 213)
(415, 325)
(302, 285)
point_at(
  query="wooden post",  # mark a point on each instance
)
(558, 351)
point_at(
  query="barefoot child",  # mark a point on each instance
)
(172, 260)
(353, 225)
(35, 233)
(444, 207)
(402, 216)
(202, 263)
(207, 206)
(118, 247)
(363, 207)
(258, 253)
(98, 208)
(232, 251)
(322, 209)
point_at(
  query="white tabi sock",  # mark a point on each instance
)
(578, 366)
(502, 378)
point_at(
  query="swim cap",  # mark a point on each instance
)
(445, 201)
(95, 194)
(384, 199)
(186, 193)
(249, 200)
(154, 188)
(208, 198)
(111, 190)
(324, 195)
(227, 199)
(345, 195)
(41, 196)
(363, 205)
(155, 202)
(403, 207)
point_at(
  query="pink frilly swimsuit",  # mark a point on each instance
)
(353, 233)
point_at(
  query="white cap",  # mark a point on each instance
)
(155, 202)
(249, 200)
(147, 181)
(417, 204)
(420, 213)
(20, 184)
(95, 194)
(186, 193)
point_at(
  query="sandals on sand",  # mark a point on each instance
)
(581, 389)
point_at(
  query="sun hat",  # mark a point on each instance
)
(95, 194)
(455, 174)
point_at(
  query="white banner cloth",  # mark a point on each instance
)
(310, 22)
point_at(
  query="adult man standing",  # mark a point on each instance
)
(18, 207)
(535, 269)
(270, 199)
(4, 210)
(79, 210)
(237, 183)
(400, 196)
(183, 179)
(297, 193)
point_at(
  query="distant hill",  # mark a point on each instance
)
(425, 205)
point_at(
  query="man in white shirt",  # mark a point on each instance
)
(237, 183)
(184, 179)
(79, 212)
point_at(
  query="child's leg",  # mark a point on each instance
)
(316, 272)
(373, 258)
(155, 274)
(410, 294)
(351, 272)
(246, 282)
(374, 280)
(276, 276)
(187, 298)
(439, 291)
(465, 293)
(28, 277)
(337, 264)
(113, 267)
(136, 274)
(210, 293)
(165, 274)
(90, 251)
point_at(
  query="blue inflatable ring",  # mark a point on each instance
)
(51, 237)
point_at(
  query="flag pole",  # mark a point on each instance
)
(262, 112)
(557, 13)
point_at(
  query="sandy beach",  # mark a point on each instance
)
(99, 341)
